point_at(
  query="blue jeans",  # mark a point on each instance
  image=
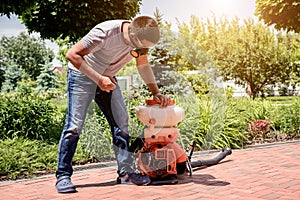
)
(81, 91)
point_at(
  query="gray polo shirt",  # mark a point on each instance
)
(108, 51)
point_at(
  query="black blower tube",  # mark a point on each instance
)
(212, 161)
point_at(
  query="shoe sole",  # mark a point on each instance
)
(67, 190)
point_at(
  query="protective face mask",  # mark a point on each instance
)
(138, 51)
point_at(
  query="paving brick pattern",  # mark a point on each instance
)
(265, 172)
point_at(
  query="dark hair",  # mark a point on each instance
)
(145, 28)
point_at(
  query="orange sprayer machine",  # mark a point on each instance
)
(160, 156)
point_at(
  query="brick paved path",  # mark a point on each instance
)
(267, 172)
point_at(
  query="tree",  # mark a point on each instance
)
(61, 18)
(15, 6)
(194, 62)
(284, 14)
(27, 52)
(164, 61)
(249, 53)
(12, 75)
(161, 54)
(47, 80)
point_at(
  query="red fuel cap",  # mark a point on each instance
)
(154, 102)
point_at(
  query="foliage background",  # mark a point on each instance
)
(33, 107)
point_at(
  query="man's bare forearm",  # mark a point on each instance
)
(90, 72)
(147, 75)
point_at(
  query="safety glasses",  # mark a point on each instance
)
(138, 49)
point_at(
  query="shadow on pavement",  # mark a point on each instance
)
(110, 183)
(203, 179)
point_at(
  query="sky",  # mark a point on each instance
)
(182, 10)
(173, 11)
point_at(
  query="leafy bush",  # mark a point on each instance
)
(254, 109)
(189, 127)
(287, 119)
(283, 119)
(30, 117)
(220, 124)
(21, 157)
(233, 134)
(258, 129)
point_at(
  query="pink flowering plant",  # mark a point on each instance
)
(258, 129)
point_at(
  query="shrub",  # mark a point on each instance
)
(233, 134)
(267, 121)
(212, 122)
(30, 117)
(258, 129)
(189, 127)
(287, 119)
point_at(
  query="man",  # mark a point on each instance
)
(94, 62)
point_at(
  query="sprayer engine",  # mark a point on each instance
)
(161, 155)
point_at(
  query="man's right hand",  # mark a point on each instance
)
(107, 83)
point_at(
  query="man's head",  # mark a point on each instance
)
(144, 29)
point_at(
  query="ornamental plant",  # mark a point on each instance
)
(258, 129)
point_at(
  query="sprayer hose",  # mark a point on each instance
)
(212, 161)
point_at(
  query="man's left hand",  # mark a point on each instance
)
(163, 100)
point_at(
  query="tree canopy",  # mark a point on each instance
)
(283, 14)
(249, 53)
(61, 18)
(8, 7)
